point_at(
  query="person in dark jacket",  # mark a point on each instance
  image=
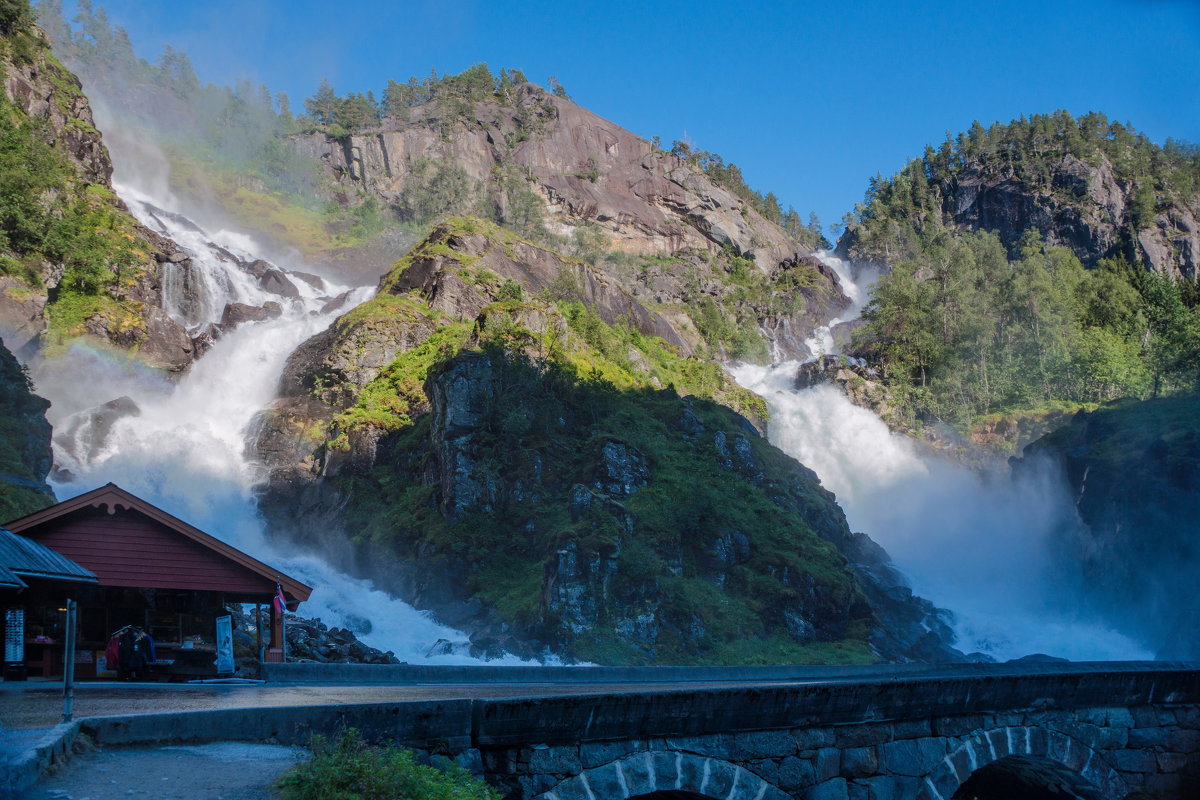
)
(143, 654)
(125, 654)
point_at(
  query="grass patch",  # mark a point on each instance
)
(350, 769)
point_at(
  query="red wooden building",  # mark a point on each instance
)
(152, 570)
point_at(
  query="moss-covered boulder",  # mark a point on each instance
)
(25, 456)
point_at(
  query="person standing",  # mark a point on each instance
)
(112, 654)
(143, 654)
(125, 654)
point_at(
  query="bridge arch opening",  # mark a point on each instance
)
(664, 775)
(1027, 777)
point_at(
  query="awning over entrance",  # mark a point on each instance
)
(22, 559)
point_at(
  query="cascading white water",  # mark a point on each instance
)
(186, 449)
(855, 287)
(980, 549)
(983, 549)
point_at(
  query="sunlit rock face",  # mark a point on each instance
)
(587, 169)
(1082, 204)
(536, 161)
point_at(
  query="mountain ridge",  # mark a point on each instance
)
(1096, 187)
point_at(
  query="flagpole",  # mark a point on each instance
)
(282, 600)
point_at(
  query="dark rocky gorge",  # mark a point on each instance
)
(1133, 471)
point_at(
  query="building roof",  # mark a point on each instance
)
(111, 498)
(24, 558)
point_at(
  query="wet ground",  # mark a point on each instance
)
(34, 705)
(225, 770)
(218, 770)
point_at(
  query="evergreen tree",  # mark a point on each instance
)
(396, 99)
(323, 106)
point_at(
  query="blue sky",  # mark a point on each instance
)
(810, 99)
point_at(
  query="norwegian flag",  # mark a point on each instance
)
(279, 601)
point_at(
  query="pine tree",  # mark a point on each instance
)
(323, 106)
(396, 99)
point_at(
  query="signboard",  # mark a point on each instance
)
(224, 645)
(14, 635)
(103, 670)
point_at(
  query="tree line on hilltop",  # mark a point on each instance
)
(244, 126)
(965, 325)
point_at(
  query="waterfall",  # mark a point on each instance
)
(982, 548)
(182, 446)
(985, 548)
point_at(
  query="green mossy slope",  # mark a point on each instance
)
(504, 443)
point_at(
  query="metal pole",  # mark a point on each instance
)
(69, 666)
(283, 630)
(258, 631)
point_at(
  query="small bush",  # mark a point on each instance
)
(511, 290)
(350, 769)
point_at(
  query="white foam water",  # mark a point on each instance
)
(186, 450)
(985, 549)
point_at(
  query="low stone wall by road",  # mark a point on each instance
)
(1109, 729)
(476, 674)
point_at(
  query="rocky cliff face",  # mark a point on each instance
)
(524, 466)
(1097, 200)
(586, 169)
(25, 456)
(1089, 210)
(651, 221)
(40, 303)
(1133, 468)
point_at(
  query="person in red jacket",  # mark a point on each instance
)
(112, 653)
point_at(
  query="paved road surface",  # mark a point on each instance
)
(215, 771)
(34, 706)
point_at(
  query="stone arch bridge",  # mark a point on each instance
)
(1105, 731)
